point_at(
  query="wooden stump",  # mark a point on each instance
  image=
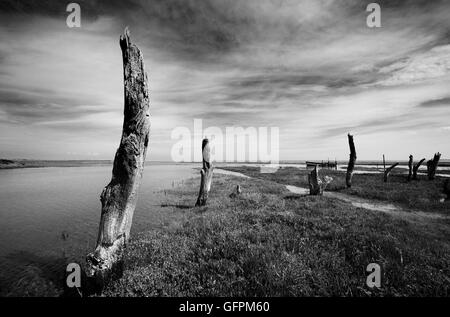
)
(237, 192)
(119, 197)
(351, 162)
(388, 171)
(206, 175)
(317, 185)
(416, 168)
(410, 166)
(432, 166)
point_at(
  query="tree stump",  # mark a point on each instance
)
(351, 162)
(206, 175)
(388, 171)
(416, 168)
(410, 166)
(119, 197)
(237, 192)
(432, 166)
(317, 185)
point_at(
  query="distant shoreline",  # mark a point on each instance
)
(27, 163)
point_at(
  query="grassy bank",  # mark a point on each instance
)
(421, 195)
(268, 242)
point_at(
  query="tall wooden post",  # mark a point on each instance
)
(119, 197)
(206, 175)
(351, 162)
(410, 167)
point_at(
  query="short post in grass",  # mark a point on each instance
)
(351, 162)
(206, 174)
(416, 168)
(388, 171)
(432, 166)
(410, 167)
(317, 184)
(119, 197)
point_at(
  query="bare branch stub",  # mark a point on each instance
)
(416, 168)
(388, 171)
(351, 162)
(119, 197)
(206, 175)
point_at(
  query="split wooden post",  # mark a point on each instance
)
(416, 168)
(410, 166)
(119, 197)
(388, 171)
(432, 166)
(316, 184)
(206, 175)
(351, 162)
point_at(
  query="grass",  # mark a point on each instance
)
(268, 242)
(423, 195)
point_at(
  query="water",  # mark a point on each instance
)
(38, 205)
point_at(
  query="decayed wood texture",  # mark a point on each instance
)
(237, 192)
(388, 171)
(416, 168)
(432, 166)
(317, 185)
(206, 175)
(119, 197)
(410, 166)
(351, 162)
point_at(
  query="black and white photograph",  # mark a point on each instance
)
(222, 149)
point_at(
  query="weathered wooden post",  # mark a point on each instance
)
(432, 166)
(119, 197)
(416, 168)
(351, 162)
(316, 184)
(388, 171)
(410, 166)
(237, 192)
(206, 175)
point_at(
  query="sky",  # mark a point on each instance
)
(311, 68)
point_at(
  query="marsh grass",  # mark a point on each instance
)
(268, 242)
(422, 194)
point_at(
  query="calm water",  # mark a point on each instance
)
(38, 204)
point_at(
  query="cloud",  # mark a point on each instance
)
(312, 68)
